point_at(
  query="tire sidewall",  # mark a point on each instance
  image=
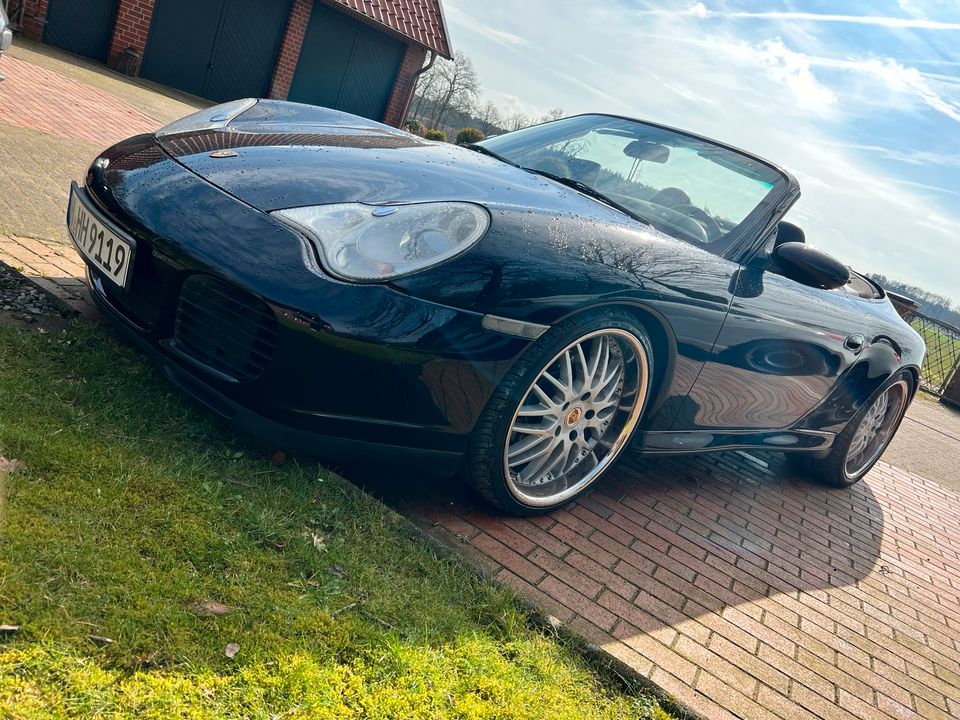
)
(834, 467)
(505, 401)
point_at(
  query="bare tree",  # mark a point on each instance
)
(450, 85)
(425, 91)
(447, 95)
(488, 118)
(518, 121)
(552, 114)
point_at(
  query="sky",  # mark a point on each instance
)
(859, 100)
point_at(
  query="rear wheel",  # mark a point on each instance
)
(858, 447)
(563, 414)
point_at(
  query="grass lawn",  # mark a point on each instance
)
(142, 520)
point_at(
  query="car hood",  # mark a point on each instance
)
(339, 159)
(545, 239)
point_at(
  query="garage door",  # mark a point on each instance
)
(81, 26)
(217, 49)
(345, 65)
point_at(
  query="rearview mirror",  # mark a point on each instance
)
(810, 266)
(647, 150)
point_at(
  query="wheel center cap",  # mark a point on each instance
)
(573, 417)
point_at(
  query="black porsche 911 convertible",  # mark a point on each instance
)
(522, 309)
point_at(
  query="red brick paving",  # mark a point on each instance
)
(53, 266)
(742, 591)
(738, 588)
(40, 99)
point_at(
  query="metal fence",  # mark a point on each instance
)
(943, 352)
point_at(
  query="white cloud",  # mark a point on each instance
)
(928, 8)
(699, 10)
(910, 8)
(889, 83)
(685, 92)
(910, 157)
(511, 105)
(498, 36)
(933, 61)
(902, 80)
(925, 186)
(791, 70)
(877, 82)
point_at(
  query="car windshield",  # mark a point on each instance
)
(684, 186)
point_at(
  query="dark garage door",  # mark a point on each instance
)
(81, 26)
(217, 49)
(345, 65)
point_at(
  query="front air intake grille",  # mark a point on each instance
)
(224, 328)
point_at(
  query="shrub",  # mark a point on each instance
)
(414, 126)
(435, 135)
(469, 135)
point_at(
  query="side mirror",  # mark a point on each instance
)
(810, 266)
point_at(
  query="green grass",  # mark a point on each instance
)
(134, 507)
(942, 353)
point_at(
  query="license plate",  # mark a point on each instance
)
(100, 242)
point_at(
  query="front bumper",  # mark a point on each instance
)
(349, 367)
(323, 442)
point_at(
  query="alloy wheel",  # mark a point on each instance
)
(875, 430)
(576, 417)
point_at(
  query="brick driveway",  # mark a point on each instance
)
(739, 589)
(54, 118)
(41, 99)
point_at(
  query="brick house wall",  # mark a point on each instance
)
(404, 85)
(290, 48)
(132, 27)
(34, 18)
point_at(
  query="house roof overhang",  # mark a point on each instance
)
(418, 21)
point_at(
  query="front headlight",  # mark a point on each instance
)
(376, 242)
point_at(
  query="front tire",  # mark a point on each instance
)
(859, 446)
(563, 414)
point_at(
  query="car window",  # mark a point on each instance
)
(687, 187)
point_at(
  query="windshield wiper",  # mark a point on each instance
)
(587, 190)
(487, 151)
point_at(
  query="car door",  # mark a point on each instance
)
(782, 348)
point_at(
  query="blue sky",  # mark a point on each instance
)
(860, 100)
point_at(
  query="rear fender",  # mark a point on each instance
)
(878, 363)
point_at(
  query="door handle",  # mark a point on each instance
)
(855, 343)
